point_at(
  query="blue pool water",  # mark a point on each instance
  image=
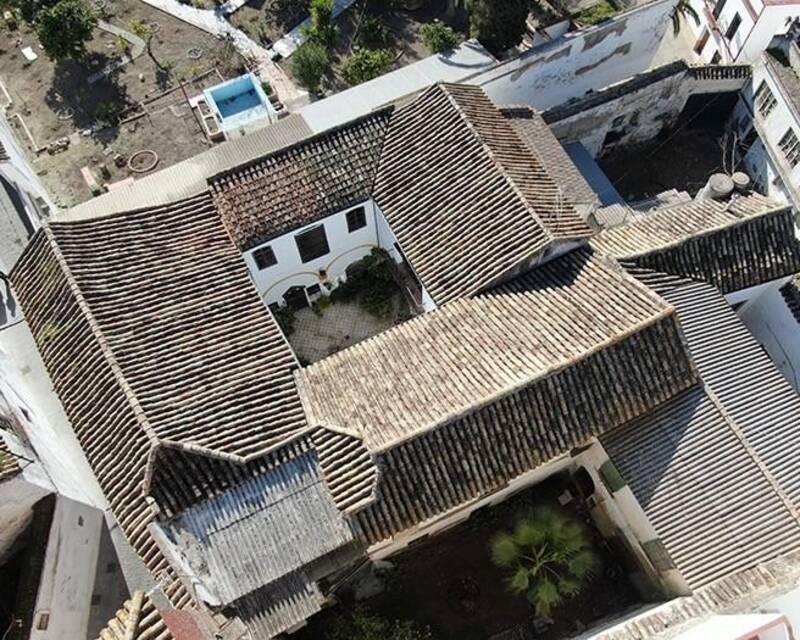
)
(240, 102)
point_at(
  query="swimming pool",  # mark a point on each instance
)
(240, 103)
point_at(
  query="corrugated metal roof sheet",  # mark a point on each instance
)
(716, 469)
(260, 530)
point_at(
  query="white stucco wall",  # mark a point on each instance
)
(27, 393)
(68, 575)
(584, 60)
(345, 249)
(764, 160)
(17, 497)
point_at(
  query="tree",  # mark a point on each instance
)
(321, 30)
(30, 9)
(363, 624)
(65, 28)
(366, 65)
(146, 32)
(309, 65)
(498, 24)
(548, 557)
(438, 37)
(681, 10)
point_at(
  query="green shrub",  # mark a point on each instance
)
(108, 112)
(284, 316)
(309, 65)
(366, 65)
(439, 37)
(596, 13)
(373, 34)
(363, 624)
(498, 24)
(267, 87)
(370, 282)
(321, 29)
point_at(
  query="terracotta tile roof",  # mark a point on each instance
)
(301, 183)
(9, 467)
(733, 245)
(154, 336)
(710, 468)
(138, 619)
(472, 351)
(466, 199)
(540, 141)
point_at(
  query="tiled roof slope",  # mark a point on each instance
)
(9, 467)
(472, 351)
(737, 438)
(732, 245)
(301, 183)
(153, 335)
(542, 143)
(508, 380)
(138, 619)
(778, 63)
(462, 193)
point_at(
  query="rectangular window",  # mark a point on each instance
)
(356, 219)
(264, 257)
(312, 244)
(765, 101)
(790, 148)
(716, 58)
(733, 27)
(313, 290)
(611, 476)
(718, 7)
(658, 555)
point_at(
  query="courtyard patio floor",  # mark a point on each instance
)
(341, 325)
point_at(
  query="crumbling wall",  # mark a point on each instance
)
(581, 61)
(639, 108)
(630, 116)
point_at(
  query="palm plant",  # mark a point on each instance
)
(682, 9)
(548, 557)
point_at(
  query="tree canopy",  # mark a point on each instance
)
(498, 24)
(65, 28)
(548, 557)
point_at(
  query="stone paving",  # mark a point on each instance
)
(340, 326)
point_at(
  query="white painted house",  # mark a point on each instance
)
(769, 121)
(739, 30)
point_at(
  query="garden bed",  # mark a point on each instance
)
(450, 585)
(57, 101)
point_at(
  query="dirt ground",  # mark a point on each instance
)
(684, 163)
(450, 584)
(266, 21)
(56, 100)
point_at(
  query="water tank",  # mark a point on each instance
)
(718, 187)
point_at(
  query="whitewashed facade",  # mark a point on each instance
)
(768, 123)
(289, 278)
(738, 30)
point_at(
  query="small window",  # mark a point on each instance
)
(611, 476)
(313, 290)
(264, 257)
(765, 100)
(658, 555)
(312, 244)
(43, 622)
(356, 219)
(733, 27)
(716, 58)
(718, 7)
(790, 147)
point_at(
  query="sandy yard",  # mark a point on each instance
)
(56, 100)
